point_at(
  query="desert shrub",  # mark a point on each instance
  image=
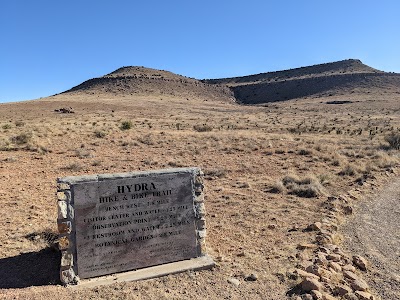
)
(36, 147)
(96, 163)
(82, 153)
(348, 170)
(19, 123)
(337, 160)
(72, 167)
(6, 126)
(394, 140)
(277, 188)
(215, 172)
(308, 187)
(324, 179)
(100, 134)
(146, 140)
(126, 125)
(202, 128)
(384, 160)
(306, 191)
(289, 179)
(279, 151)
(175, 164)
(304, 152)
(21, 139)
(149, 162)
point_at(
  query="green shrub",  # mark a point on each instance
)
(126, 125)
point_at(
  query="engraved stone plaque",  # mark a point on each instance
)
(122, 222)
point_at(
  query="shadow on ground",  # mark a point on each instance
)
(30, 269)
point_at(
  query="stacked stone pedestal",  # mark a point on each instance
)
(86, 212)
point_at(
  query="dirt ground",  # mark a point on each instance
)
(374, 232)
(270, 172)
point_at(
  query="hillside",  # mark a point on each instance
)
(141, 81)
(330, 79)
(338, 79)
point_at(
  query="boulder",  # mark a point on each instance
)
(359, 285)
(350, 275)
(342, 290)
(360, 262)
(309, 284)
(305, 274)
(364, 295)
(317, 295)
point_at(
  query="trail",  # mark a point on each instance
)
(374, 232)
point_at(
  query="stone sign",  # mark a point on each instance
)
(121, 222)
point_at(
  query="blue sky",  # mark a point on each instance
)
(50, 46)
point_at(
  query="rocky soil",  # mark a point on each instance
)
(374, 232)
(280, 180)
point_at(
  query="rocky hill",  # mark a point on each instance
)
(330, 79)
(324, 80)
(141, 81)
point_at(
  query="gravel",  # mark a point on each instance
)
(374, 233)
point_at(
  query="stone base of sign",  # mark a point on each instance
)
(179, 205)
(194, 264)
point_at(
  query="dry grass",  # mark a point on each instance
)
(249, 219)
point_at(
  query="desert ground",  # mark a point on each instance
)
(280, 181)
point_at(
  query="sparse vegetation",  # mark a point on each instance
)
(308, 187)
(277, 187)
(216, 172)
(348, 170)
(73, 167)
(126, 125)
(202, 128)
(304, 152)
(256, 215)
(22, 138)
(19, 123)
(394, 140)
(100, 134)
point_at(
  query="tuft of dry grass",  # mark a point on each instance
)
(277, 188)
(394, 140)
(100, 134)
(215, 172)
(202, 128)
(73, 167)
(348, 170)
(307, 187)
(22, 138)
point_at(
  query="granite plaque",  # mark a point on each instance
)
(122, 222)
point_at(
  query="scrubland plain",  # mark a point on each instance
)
(271, 171)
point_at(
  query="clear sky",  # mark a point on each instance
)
(49, 46)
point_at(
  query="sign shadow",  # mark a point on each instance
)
(30, 269)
